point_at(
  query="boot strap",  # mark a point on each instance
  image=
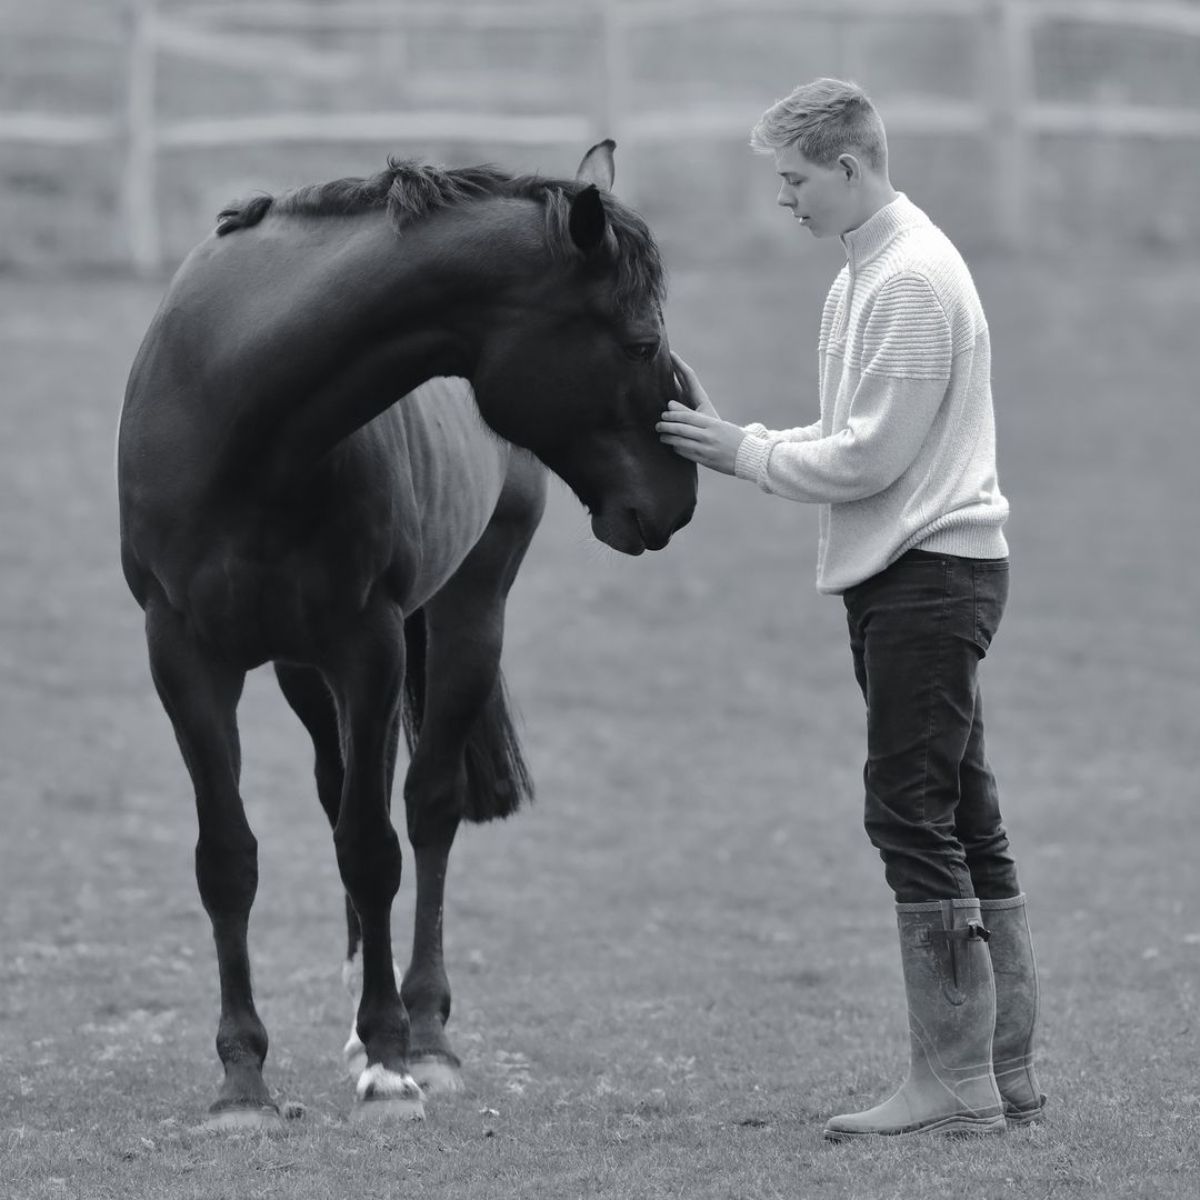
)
(972, 931)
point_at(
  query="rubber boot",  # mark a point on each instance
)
(951, 1013)
(1015, 972)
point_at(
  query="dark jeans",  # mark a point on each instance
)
(918, 631)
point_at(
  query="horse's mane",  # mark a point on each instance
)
(409, 190)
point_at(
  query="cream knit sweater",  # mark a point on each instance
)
(904, 454)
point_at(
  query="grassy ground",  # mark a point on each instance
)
(681, 960)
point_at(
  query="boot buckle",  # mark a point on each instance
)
(972, 931)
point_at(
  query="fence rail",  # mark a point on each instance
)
(243, 34)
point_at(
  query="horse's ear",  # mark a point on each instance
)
(597, 167)
(588, 222)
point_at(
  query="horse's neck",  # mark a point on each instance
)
(391, 311)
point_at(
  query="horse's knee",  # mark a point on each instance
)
(370, 865)
(227, 872)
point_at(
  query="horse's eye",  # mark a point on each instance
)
(642, 351)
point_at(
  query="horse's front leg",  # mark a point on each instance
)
(465, 763)
(366, 680)
(200, 695)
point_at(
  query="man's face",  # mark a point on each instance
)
(823, 199)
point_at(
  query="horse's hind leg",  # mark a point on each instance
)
(307, 693)
(366, 678)
(201, 695)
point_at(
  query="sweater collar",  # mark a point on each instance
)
(863, 243)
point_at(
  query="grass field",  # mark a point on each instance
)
(682, 959)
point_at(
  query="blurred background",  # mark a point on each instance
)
(1063, 125)
(693, 885)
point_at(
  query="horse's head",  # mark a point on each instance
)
(577, 367)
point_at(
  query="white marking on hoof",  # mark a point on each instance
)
(378, 1081)
(355, 1054)
(436, 1077)
(389, 1094)
(232, 1120)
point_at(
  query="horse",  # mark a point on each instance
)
(332, 456)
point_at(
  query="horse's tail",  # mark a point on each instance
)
(498, 778)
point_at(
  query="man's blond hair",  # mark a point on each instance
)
(825, 118)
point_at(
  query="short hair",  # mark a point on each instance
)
(826, 119)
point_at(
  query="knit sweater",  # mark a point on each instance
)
(904, 454)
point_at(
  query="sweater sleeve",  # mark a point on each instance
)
(802, 433)
(905, 366)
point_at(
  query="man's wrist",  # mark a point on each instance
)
(752, 457)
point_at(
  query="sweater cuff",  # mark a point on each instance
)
(752, 458)
(755, 429)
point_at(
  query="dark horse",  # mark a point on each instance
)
(278, 506)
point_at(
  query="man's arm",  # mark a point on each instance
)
(696, 431)
(907, 352)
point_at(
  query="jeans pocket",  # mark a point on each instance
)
(990, 583)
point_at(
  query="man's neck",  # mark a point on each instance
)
(876, 195)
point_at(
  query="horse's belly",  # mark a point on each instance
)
(457, 468)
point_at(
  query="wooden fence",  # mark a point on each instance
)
(1005, 108)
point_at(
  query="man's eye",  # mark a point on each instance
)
(642, 351)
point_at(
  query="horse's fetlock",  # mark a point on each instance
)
(428, 996)
(386, 1028)
(242, 1039)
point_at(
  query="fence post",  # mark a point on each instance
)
(612, 87)
(1011, 96)
(139, 190)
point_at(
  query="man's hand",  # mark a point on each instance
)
(702, 437)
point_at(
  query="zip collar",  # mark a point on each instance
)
(879, 229)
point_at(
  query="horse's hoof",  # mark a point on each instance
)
(263, 1118)
(385, 1095)
(436, 1076)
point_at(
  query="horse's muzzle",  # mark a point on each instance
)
(632, 531)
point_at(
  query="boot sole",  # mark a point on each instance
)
(1024, 1116)
(956, 1125)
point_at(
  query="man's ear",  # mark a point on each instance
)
(852, 168)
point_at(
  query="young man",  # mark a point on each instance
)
(902, 464)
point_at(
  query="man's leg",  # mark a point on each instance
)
(993, 870)
(912, 636)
